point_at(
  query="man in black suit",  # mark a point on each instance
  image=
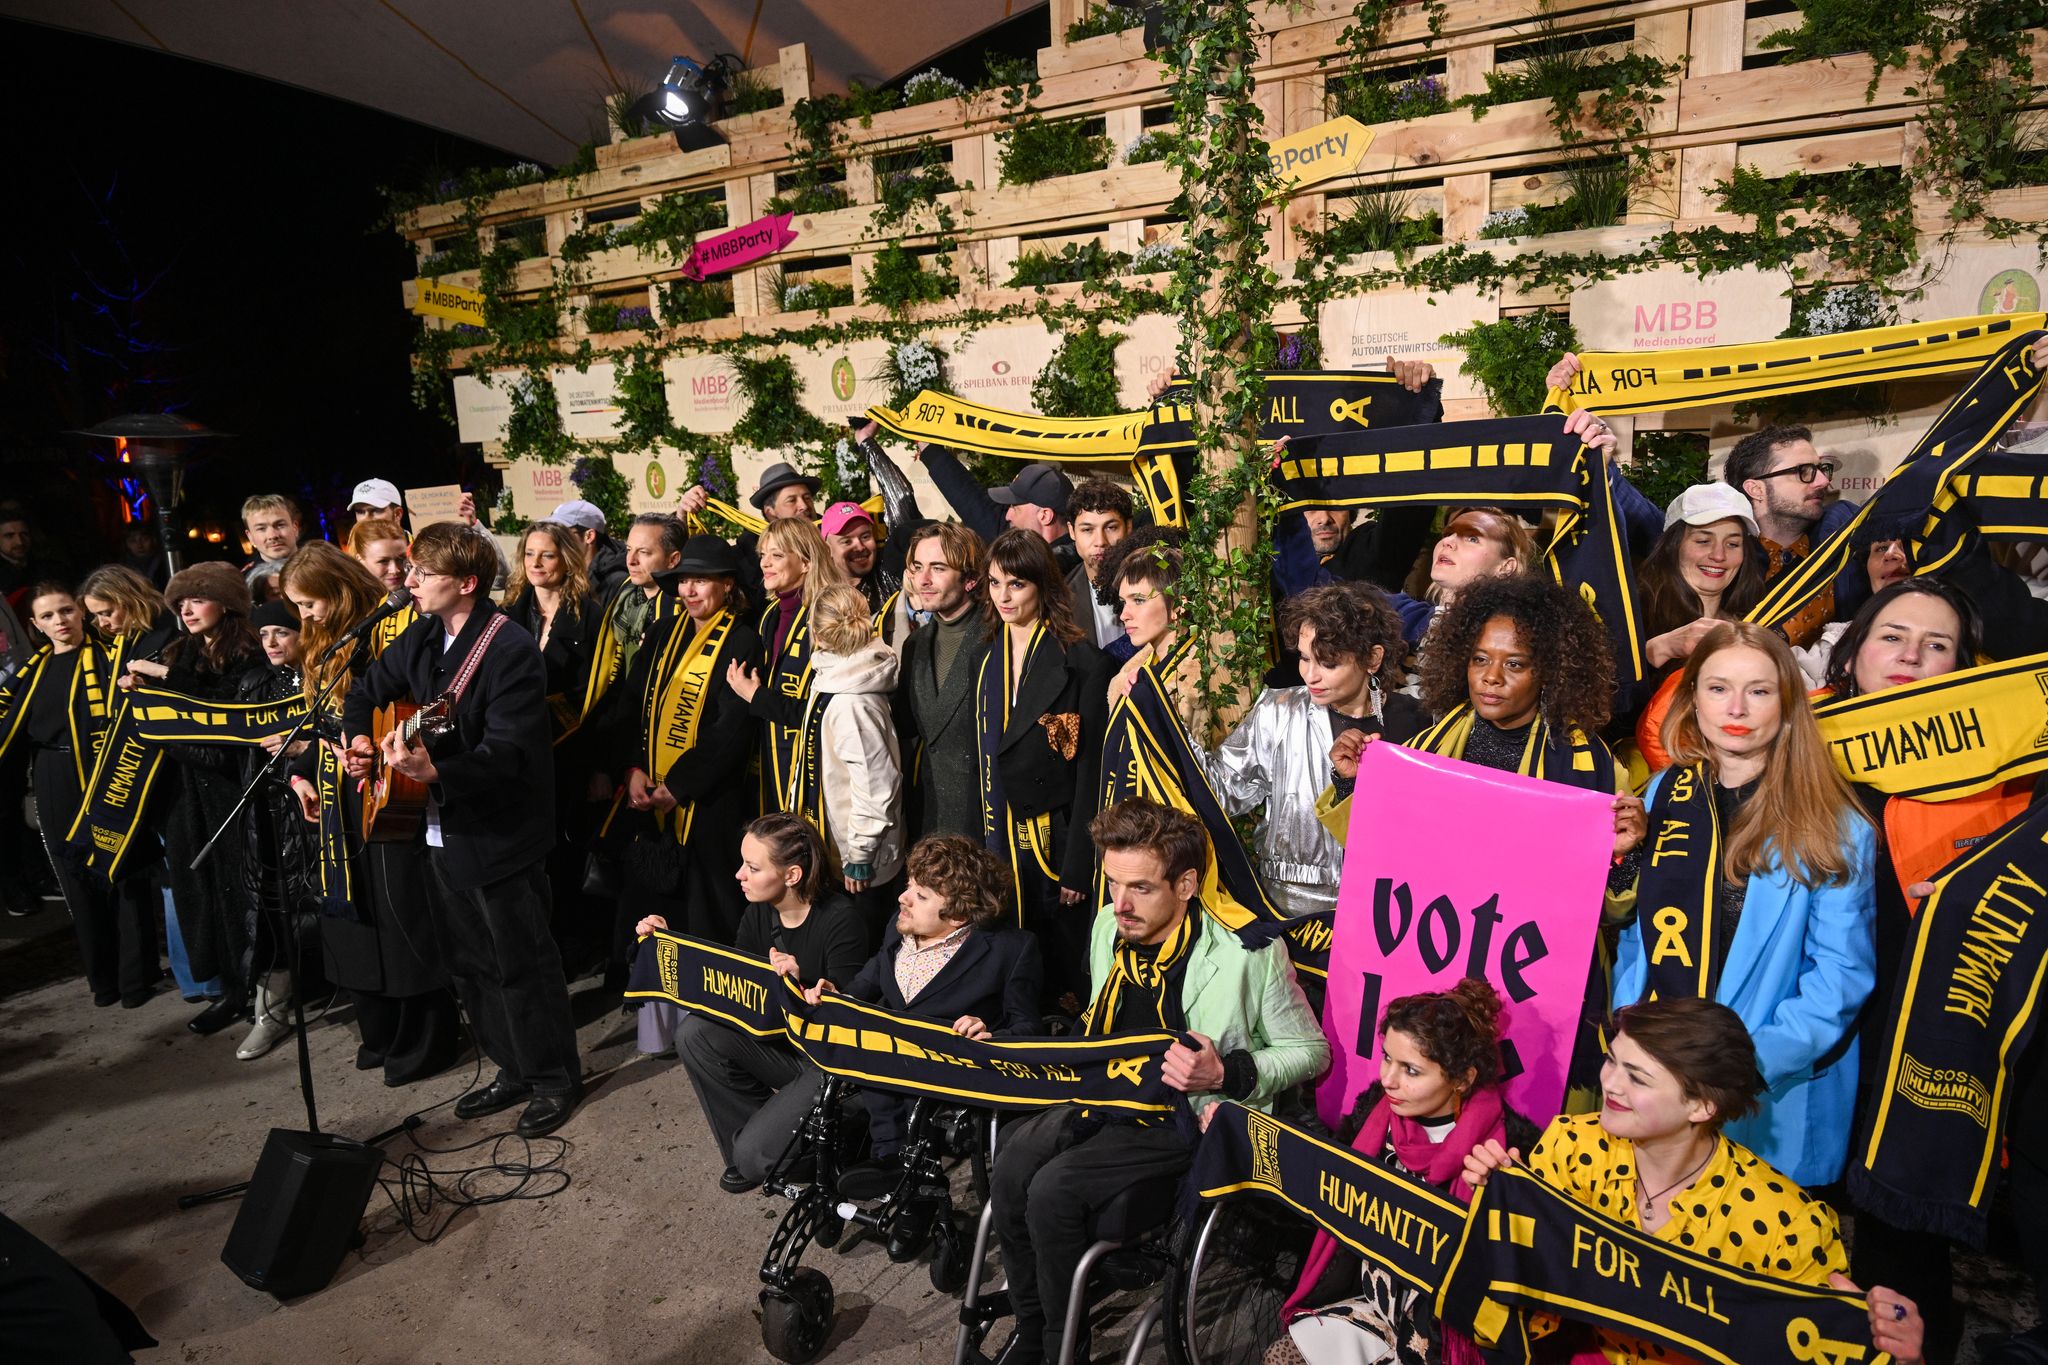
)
(490, 819)
(935, 687)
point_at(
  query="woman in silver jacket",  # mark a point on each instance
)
(1347, 638)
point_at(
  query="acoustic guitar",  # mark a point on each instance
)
(394, 805)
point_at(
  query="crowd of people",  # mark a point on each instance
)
(866, 744)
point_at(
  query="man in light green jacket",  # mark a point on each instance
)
(1156, 962)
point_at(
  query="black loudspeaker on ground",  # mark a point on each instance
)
(302, 1210)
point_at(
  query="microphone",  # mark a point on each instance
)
(397, 602)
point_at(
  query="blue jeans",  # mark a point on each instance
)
(181, 966)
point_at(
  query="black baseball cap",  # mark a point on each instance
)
(1041, 485)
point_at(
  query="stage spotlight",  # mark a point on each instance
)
(689, 97)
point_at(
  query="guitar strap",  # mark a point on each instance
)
(473, 658)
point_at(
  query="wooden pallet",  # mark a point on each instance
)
(1808, 117)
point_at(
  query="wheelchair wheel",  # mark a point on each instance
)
(795, 1321)
(1238, 1265)
(951, 1249)
(831, 1227)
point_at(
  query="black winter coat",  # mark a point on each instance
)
(496, 789)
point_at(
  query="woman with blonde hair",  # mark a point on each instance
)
(129, 612)
(1478, 544)
(549, 593)
(1758, 892)
(132, 618)
(859, 764)
(376, 935)
(796, 566)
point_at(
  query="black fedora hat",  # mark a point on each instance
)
(707, 556)
(778, 476)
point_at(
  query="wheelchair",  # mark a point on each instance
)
(1221, 1278)
(915, 1216)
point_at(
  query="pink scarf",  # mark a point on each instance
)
(1440, 1163)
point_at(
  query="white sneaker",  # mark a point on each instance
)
(272, 1026)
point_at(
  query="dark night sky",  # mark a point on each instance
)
(275, 308)
(276, 303)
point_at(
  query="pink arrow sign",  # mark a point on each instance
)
(742, 246)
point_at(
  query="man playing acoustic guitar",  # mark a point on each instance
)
(489, 818)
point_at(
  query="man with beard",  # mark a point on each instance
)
(935, 687)
(850, 534)
(1158, 962)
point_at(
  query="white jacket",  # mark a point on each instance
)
(860, 768)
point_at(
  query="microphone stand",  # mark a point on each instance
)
(263, 774)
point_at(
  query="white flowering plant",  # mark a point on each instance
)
(1842, 308)
(909, 367)
(1512, 222)
(1154, 258)
(930, 84)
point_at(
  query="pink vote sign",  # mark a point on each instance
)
(1454, 870)
(742, 246)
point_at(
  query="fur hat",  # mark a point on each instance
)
(214, 581)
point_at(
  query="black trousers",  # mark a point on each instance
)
(1054, 1173)
(1917, 1265)
(116, 925)
(412, 1037)
(754, 1091)
(508, 975)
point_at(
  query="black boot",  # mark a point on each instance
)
(217, 1016)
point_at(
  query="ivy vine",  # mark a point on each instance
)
(1224, 294)
(1080, 378)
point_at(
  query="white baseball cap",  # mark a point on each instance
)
(585, 516)
(376, 493)
(1703, 504)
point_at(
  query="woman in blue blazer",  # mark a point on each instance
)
(1757, 891)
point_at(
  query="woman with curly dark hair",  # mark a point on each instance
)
(1348, 642)
(1438, 1097)
(1520, 675)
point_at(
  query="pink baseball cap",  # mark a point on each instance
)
(841, 515)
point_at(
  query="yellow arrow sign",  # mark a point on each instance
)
(1320, 153)
(451, 301)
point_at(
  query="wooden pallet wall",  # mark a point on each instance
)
(1722, 111)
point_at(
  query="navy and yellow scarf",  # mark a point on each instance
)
(672, 706)
(1572, 757)
(1025, 845)
(791, 748)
